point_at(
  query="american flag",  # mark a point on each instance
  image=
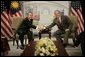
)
(8, 10)
(76, 9)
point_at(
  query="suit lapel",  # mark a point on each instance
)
(62, 20)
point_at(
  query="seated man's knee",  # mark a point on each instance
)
(21, 36)
(56, 35)
(30, 35)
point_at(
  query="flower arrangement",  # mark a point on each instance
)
(45, 47)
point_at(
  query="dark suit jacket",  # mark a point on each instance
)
(25, 26)
(65, 23)
(80, 40)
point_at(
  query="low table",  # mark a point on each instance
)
(29, 50)
(45, 31)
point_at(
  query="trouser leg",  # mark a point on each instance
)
(80, 40)
(82, 47)
(21, 37)
(73, 38)
(66, 37)
(30, 36)
(57, 34)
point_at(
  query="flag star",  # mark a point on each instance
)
(1, 2)
(1, 5)
(1, 9)
(76, 5)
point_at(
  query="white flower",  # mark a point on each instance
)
(47, 52)
(41, 54)
(45, 47)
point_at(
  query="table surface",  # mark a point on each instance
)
(29, 50)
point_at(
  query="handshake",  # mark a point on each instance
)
(41, 28)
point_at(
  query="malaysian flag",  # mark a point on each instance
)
(15, 9)
(76, 9)
(9, 10)
(6, 30)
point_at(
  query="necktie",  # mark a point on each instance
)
(59, 19)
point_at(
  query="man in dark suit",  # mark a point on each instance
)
(80, 40)
(24, 28)
(64, 25)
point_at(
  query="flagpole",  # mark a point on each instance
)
(69, 8)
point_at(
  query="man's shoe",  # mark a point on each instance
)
(22, 47)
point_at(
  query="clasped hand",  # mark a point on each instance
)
(40, 28)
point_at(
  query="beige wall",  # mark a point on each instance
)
(46, 9)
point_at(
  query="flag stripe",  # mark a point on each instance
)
(4, 14)
(6, 31)
(81, 9)
(6, 23)
(4, 34)
(4, 26)
(3, 29)
(7, 28)
(13, 16)
(17, 14)
(80, 14)
(79, 17)
(80, 23)
(20, 14)
(10, 17)
(79, 29)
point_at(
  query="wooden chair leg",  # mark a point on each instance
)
(17, 43)
(17, 40)
(25, 41)
(14, 39)
(50, 35)
(39, 35)
(13, 42)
